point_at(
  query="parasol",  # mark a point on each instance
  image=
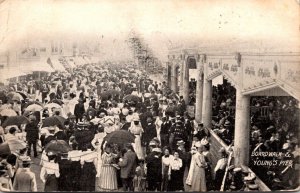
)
(24, 95)
(15, 96)
(11, 146)
(52, 105)
(8, 112)
(119, 137)
(33, 102)
(34, 107)
(58, 146)
(15, 120)
(132, 98)
(57, 101)
(5, 106)
(54, 120)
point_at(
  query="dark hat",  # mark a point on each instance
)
(26, 160)
(227, 123)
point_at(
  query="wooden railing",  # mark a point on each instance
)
(263, 111)
(217, 143)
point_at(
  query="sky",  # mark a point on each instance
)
(205, 24)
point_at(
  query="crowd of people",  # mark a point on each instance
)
(101, 128)
(274, 128)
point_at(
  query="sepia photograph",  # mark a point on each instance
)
(149, 96)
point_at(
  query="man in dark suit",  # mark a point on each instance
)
(32, 134)
(25, 180)
(79, 110)
(164, 131)
(154, 168)
(128, 164)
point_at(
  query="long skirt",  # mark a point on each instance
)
(88, 177)
(51, 183)
(138, 147)
(209, 180)
(65, 179)
(218, 179)
(108, 178)
(198, 179)
(165, 180)
(176, 182)
(190, 173)
(75, 174)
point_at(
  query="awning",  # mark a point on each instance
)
(38, 66)
(56, 64)
(12, 72)
(69, 62)
(87, 60)
(79, 61)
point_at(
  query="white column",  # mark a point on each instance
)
(242, 129)
(207, 103)
(169, 74)
(181, 78)
(174, 78)
(185, 86)
(199, 93)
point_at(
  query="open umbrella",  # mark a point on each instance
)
(24, 95)
(113, 92)
(15, 120)
(54, 120)
(57, 101)
(3, 96)
(33, 102)
(58, 146)
(8, 112)
(132, 97)
(15, 96)
(52, 105)
(11, 146)
(34, 107)
(119, 137)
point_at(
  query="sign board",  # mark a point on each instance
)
(290, 74)
(259, 72)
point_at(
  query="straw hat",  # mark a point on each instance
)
(180, 142)
(156, 150)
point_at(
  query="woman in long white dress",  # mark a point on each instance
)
(137, 129)
(188, 180)
(198, 180)
(96, 143)
(158, 123)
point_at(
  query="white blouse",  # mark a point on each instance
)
(74, 155)
(88, 156)
(49, 168)
(167, 160)
(175, 164)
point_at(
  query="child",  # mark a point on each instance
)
(140, 177)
